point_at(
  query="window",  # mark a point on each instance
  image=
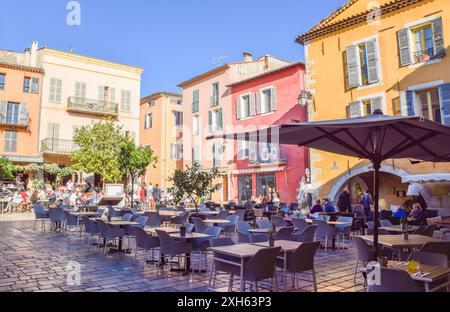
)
(176, 151)
(428, 104)
(10, 141)
(148, 121)
(27, 85)
(2, 81)
(215, 94)
(178, 119)
(196, 125)
(53, 131)
(12, 115)
(362, 64)
(421, 43)
(176, 101)
(215, 120)
(217, 154)
(365, 107)
(245, 188)
(245, 106)
(35, 85)
(266, 101)
(152, 103)
(125, 101)
(80, 90)
(55, 90)
(195, 101)
(264, 182)
(196, 155)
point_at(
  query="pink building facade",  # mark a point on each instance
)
(268, 99)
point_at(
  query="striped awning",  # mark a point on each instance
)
(258, 170)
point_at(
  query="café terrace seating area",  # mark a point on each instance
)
(219, 248)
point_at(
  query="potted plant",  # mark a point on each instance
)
(271, 234)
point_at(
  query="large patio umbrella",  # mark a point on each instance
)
(376, 138)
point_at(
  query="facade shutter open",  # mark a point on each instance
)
(407, 103)
(273, 100)
(444, 91)
(438, 37)
(3, 111)
(353, 67)
(210, 121)
(403, 47)
(377, 103)
(372, 61)
(355, 109)
(252, 111)
(238, 107)
(258, 102)
(23, 114)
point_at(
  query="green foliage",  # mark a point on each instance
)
(37, 185)
(193, 183)
(99, 149)
(7, 168)
(53, 169)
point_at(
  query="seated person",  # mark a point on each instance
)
(317, 207)
(417, 215)
(328, 206)
(400, 213)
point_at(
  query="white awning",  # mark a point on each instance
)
(258, 170)
(432, 177)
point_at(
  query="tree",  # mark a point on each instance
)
(7, 168)
(134, 160)
(98, 150)
(194, 183)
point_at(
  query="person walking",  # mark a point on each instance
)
(143, 196)
(366, 201)
(344, 203)
(157, 194)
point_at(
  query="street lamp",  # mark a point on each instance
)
(304, 98)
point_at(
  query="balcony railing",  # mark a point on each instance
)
(96, 107)
(21, 122)
(424, 55)
(269, 155)
(57, 146)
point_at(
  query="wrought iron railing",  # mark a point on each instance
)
(424, 55)
(58, 146)
(89, 106)
(20, 122)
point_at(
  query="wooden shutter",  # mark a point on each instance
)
(407, 103)
(219, 119)
(258, 102)
(438, 36)
(444, 91)
(210, 121)
(377, 103)
(353, 67)
(238, 107)
(355, 109)
(372, 61)
(403, 47)
(273, 99)
(3, 111)
(23, 114)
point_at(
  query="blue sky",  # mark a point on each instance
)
(173, 40)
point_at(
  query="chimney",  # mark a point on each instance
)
(27, 57)
(248, 57)
(266, 62)
(33, 53)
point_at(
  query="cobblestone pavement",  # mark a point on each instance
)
(36, 261)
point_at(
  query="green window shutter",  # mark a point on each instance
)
(220, 119)
(355, 109)
(372, 61)
(273, 99)
(438, 35)
(403, 47)
(210, 121)
(353, 67)
(444, 91)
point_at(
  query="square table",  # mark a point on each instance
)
(398, 229)
(241, 251)
(217, 221)
(398, 242)
(188, 237)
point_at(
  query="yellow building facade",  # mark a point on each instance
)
(161, 123)
(391, 55)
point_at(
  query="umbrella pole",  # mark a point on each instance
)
(376, 196)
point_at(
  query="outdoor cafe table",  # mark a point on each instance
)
(117, 222)
(427, 274)
(286, 247)
(241, 251)
(188, 237)
(398, 242)
(168, 213)
(264, 231)
(398, 229)
(217, 221)
(166, 229)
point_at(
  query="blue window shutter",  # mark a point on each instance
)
(444, 91)
(407, 103)
(438, 35)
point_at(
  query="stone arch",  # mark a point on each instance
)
(342, 180)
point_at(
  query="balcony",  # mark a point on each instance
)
(269, 155)
(92, 107)
(15, 123)
(57, 146)
(424, 55)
